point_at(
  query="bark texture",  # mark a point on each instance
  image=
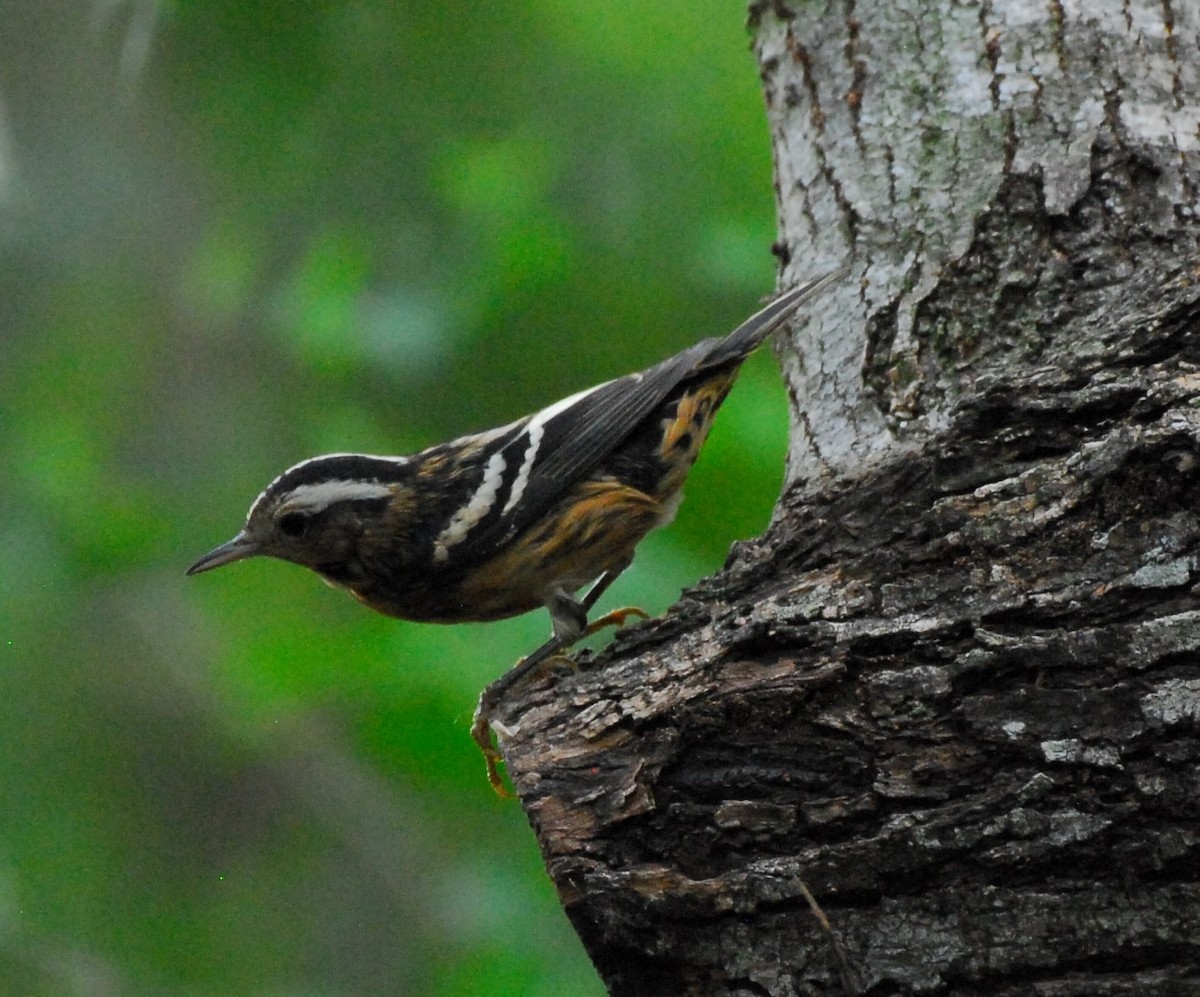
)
(939, 730)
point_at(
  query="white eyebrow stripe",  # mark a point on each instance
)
(480, 503)
(535, 430)
(398, 461)
(321, 496)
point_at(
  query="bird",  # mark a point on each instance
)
(528, 514)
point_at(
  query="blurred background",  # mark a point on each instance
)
(234, 235)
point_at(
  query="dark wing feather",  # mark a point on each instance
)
(577, 436)
(577, 439)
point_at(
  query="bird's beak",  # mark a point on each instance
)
(237, 549)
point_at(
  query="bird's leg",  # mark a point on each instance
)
(614, 618)
(570, 625)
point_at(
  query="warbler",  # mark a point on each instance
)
(498, 523)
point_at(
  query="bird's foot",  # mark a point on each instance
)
(482, 724)
(615, 618)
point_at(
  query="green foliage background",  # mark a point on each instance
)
(236, 234)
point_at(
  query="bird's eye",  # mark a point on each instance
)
(292, 524)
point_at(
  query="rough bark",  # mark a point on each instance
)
(939, 730)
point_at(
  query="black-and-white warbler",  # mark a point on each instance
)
(525, 515)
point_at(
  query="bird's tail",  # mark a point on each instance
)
(748, 336)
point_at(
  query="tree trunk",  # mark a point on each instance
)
(939, 730)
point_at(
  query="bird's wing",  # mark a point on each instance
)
(559, 445)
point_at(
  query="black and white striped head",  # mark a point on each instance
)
(316, 513)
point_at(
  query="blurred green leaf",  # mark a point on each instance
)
(303, 228)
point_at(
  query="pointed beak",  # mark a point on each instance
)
(237, 549)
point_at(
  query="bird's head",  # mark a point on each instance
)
(317, 514)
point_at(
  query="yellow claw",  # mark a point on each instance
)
(481, 727)
(491, 760)
(615, 618)
(481, 733)
(481, 724)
